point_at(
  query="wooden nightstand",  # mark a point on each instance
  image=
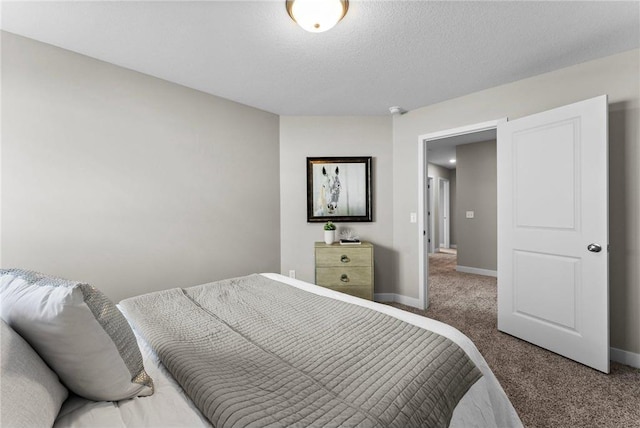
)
(345, 268)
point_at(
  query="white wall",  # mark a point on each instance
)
(616, 76)
(129, 182)
(302, 137)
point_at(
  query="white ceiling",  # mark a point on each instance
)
(382, 54)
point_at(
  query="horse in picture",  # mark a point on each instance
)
(329, 193)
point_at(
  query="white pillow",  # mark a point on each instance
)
(30, 393)
(78, 331)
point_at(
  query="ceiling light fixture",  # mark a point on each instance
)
(317, 16)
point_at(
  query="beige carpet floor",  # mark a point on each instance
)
(547, 390)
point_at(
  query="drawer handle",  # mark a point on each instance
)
(344, 278)
(345, 259)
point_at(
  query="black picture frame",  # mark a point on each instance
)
(352, 178)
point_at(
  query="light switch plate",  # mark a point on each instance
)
(413, 217)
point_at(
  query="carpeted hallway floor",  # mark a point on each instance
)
(546, 389)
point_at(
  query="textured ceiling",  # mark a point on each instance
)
(382, 54)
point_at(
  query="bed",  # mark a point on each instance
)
(295, 385)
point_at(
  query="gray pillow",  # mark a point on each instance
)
(30, 392)
(78, 331)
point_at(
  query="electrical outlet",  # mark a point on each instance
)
(292, 274)
(470, 214)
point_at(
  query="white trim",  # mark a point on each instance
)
(624, 357)
(444, 212)
(431, 237)
(397, 298)
(423, 262)
(477, 271)
(423, 251)
(409, 301)
(462, 130)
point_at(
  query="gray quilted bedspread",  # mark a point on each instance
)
(253, 352)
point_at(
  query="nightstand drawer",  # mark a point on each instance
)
(338, 276)
(343, 256)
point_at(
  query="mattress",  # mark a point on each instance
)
(484, 405)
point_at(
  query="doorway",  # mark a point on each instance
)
(427, 142)
(553, 288)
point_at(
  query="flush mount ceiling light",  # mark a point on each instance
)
(317, 16)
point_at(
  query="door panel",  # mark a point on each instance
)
(547, 288)
(531, 151)
(552, 203)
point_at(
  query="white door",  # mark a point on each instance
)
(553, 284)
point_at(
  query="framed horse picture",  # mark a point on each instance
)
(339, 189)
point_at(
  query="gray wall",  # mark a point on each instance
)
(477, 191)
(302, 137)
(616, 76)
(130, 182)
(435, 171)
(137, 184)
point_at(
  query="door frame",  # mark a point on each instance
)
(423, 141)
(444, 214)
(431, 242)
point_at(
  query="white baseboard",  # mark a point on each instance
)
(398, 298)
(624, 357)
(477, 271)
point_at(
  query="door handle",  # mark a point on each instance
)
(594, 248)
